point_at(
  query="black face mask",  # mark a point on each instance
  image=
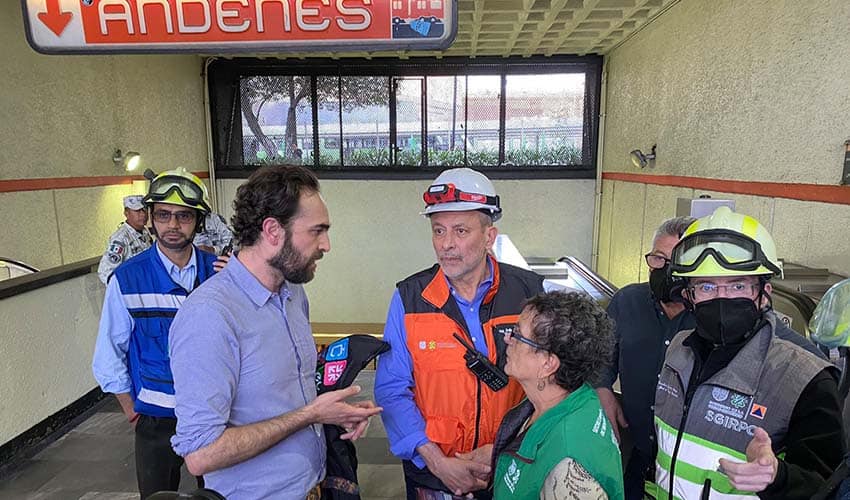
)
(661, 283)
(724, 321)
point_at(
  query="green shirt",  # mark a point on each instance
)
(576, 428)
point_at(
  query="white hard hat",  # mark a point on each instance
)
(460, 190)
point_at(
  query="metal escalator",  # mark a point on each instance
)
(794, 296)
(12, 269)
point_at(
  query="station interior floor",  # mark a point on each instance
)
(94, 461)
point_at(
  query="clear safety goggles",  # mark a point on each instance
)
(448, 193)
(188, 191)
(730, 249)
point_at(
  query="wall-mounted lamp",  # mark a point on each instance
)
(128, 161)
(641, 160)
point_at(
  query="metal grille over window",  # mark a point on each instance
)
(276, 119)
(544, 119)
(363, 117)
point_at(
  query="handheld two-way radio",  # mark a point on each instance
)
(484, 370)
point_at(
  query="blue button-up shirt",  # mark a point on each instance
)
(394, 377)
(109, 363)
(242, 354)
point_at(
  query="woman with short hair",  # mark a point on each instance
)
(557, 443)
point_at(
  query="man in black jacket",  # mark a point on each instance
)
(646, 319)
(742, 404)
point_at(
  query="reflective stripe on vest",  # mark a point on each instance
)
(696, 462)
(759, 387)
(157, 398)
(153, 301)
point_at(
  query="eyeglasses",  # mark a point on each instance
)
(183, 216)
(708, 290)
(514, 334)
(655, 261)
(447, 193)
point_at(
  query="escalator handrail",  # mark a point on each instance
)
(585, 273)
(19, 264)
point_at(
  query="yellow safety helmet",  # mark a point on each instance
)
(830, 323)
(725, 243)
(179, 187)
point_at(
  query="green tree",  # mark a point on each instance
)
(257, 91)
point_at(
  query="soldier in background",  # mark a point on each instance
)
(216, 236)
(131, 238)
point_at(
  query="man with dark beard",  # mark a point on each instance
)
(243, 356)
(131, 354)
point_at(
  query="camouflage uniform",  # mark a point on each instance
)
(216, 234)
(124, 243)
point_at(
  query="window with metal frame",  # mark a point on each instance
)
(392, 118)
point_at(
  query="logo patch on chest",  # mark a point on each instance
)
(758, 411)
(512, 476)
(729, 403)
(731, 410)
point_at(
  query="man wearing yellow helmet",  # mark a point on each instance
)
(131, 353)
(741, 388)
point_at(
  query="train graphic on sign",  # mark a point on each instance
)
(419, 18)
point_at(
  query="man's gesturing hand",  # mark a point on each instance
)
(761, 467)
(331, 408)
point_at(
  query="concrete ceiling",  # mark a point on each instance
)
(532, 27)
(547, 27)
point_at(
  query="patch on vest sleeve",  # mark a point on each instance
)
(115, 252)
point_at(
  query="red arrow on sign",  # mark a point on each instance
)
(54, 18)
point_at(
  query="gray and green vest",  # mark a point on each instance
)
(577, 428)
(759, 387)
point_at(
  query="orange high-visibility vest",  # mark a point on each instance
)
(461, 413)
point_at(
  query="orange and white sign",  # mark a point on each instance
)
(227, 26)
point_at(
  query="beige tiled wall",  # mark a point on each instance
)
(378, 236)
(746, 91)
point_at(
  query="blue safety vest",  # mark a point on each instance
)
(152, 299)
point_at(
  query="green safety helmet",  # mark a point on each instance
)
(830, 323)
(725, 243)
